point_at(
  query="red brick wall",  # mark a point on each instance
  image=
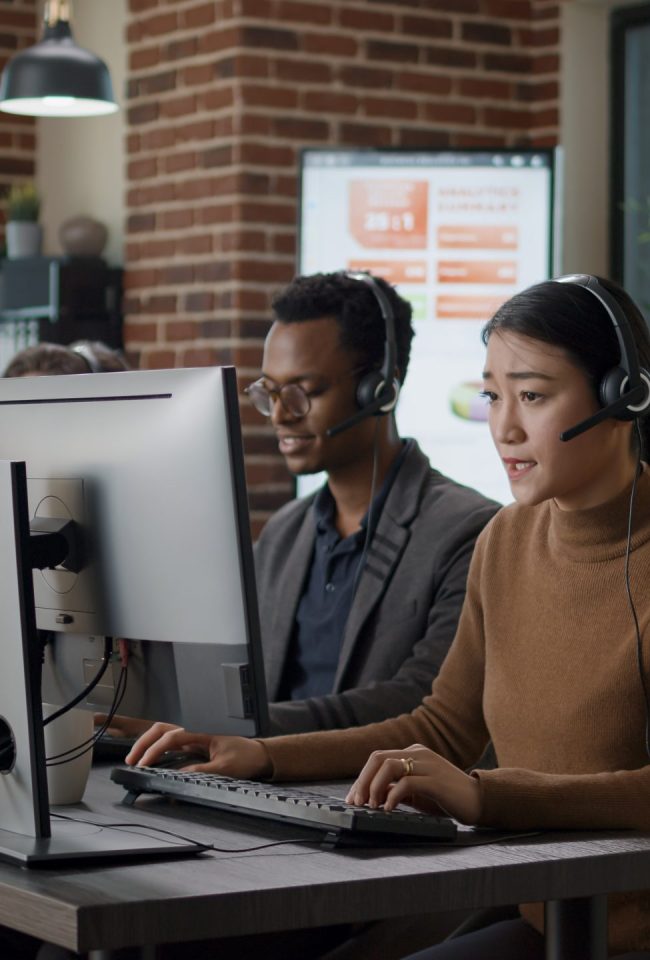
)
(18, 29)
(223, 94)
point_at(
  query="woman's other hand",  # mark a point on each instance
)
(230, 756)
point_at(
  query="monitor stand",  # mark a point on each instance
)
(26, 835)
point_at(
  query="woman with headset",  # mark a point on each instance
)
(551, 657)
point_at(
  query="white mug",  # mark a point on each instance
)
(66, 782)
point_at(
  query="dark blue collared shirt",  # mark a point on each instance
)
(328, 595)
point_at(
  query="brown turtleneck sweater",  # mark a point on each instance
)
(544, 664)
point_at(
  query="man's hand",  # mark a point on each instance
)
(230, 756)
(419, 777)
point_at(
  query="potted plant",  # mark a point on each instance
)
(24, 233)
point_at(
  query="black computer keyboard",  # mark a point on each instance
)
(330, 815)
(112, 748)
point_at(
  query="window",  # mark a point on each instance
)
(630, 214)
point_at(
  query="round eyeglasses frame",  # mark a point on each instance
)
(295, 400)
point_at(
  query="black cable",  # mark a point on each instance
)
(370, 519)
(262, 846)
(630, 599)
(120, 692)
(179, 836)
(106, 659)
(461, 840)
(81, 748)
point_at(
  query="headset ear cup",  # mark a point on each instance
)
(611, 387)
(392, 402)
(644, 410)
(368, 387)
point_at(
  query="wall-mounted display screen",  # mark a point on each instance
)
(458, 232)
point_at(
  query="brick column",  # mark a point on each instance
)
(222, 96)
(18, 29)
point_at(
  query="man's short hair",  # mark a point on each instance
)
(355, 308)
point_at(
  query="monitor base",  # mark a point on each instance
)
(74, 841)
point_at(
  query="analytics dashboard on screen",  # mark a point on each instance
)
(457, 232)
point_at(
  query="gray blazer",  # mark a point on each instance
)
(406, 607)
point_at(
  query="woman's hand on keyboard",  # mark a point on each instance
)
(230, 756)
(419, 777)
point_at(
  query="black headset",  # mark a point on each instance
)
(86, 352)
(378, 390)
(624, 391)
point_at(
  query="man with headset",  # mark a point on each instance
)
(360, 585)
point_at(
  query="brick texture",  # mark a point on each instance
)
(18, 29)
(223, 94)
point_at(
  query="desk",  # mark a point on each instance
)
(293, 886)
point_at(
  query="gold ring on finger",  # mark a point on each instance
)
(407, 763)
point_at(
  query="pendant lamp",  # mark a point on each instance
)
(56, 78)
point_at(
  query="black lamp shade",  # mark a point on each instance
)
(56, 78)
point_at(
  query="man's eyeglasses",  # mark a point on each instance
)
(295, 400)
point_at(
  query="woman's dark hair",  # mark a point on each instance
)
(45, 358)
(50, 359)
(355, 308)
(569, 316)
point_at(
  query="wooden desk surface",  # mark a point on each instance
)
(292, 886)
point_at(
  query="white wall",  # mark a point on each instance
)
(584, 133)
(80, 162)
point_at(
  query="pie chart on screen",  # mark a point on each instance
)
(467, 403)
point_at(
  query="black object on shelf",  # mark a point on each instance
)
(72, 297)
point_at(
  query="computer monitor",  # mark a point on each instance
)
(149, 467)
(458, 231)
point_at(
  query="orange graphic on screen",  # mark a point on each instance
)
(394, 271)
(467, 307)
(477, 237)
(477, 271)
(389, 213)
